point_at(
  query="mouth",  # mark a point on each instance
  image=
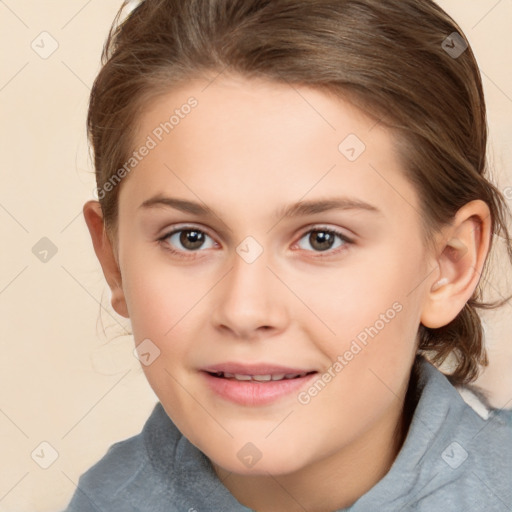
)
(255, 385)
(260, 378)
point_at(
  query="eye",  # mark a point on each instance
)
(323, 240)
(189, 238)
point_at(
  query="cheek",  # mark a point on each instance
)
(158, 295)
(370, 363)
(366, 286)
(151, 310)
(374, 314)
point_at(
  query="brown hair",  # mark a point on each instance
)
(388, 57)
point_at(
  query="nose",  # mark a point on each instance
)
(251, 300)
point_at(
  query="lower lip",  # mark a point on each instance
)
(254, 393)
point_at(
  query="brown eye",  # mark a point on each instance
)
(191, 239)
(322, 240)
(186, 240)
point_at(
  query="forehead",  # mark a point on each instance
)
(254, 140)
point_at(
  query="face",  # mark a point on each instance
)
(271, 234)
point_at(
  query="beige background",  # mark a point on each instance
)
(62, 382)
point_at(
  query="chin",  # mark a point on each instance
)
(250, 462)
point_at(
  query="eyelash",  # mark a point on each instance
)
(183, 254)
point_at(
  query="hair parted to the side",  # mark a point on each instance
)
(385, 56)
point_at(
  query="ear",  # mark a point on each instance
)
(461, 255)
(103, 248)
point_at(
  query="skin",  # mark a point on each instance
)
(249, 148)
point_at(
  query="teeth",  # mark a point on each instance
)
(240, 377)
(260, 378)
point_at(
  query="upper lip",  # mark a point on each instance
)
(254, 369)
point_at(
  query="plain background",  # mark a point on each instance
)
(64, 381)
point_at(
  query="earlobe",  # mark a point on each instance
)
(463, 249)
(104, 251)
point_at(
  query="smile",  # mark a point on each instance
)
(256, 386)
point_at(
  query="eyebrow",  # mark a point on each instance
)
(301, 208)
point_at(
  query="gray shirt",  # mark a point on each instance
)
(452, 460)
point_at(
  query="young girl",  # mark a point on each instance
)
(294, 214)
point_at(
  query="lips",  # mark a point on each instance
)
(260, 384)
